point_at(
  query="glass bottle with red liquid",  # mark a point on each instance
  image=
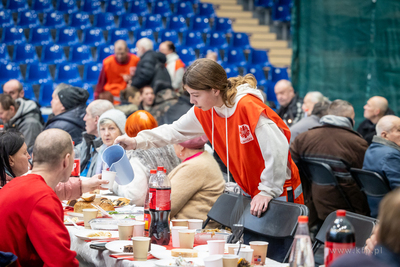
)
(160, 208)
(147, 217)
(340, 238)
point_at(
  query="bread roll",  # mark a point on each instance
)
(185, 253)
(88, 197)
(105, 204)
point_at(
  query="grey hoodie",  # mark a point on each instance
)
(27, 121)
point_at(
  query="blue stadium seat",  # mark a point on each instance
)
(13, 36)
(281, 13)
(69, 74)
(206, 49)
(185, 9)
(93, 37)
(217, 40)
(67, 36)
(194, 2)
(91, 6)
(45, 94)
(25, 54)
(38, 73)
(42, 6)
(235, 56)
(223, 25)
(80, 54)
(17, 5)
(53, 54)
(54, 20)
(152, 22)
(89, 87)
(259, 75)
(104, 51)
(240, 40)
(28, 19)
(186, 54)
(169, 35)
(9, 71)
(91, 73)
(285, 2)
(162, 8)
(139, 7)
(28, 92)
(264, 3)
(269, 90)
(40, 36)
(129, 22)
(6, 19)
(117, 34)
(200, 23)
(193, 39)
(104, 21)
(206, 9)
(276, 74)
(115, 7)
(144, 34)
(259, 58)
(177, 23)
(67, 6)
(79, 20)
(4, 56)
(231, 70)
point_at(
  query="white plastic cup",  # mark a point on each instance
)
(110, 177)
(138, 228)
(213, 261)
(89, 214)
(216, 247)
(231, 247)
(195, 224)
(175, 235)
(246, 253)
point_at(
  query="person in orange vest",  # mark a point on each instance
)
(174, 65)
(117, 71)
(251, 139)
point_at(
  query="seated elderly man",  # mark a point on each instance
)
(383, 155)
(32, 224)
(290, 103)
(336, 144)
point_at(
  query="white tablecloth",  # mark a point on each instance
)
(93, 257)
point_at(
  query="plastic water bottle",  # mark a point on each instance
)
(340, 238)
(76, 171)
(302, 253)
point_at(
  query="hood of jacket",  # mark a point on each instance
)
(157, 55)
(337, 121)
(27, 108)
(172, 57)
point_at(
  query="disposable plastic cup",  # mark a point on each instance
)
(195, 224)
(260, 252)
(216, 247)
(89, 214)
(230, 260)
(246, 253)
(180, 222)
(125, 231)
(110, 177)
(138, 229)
(140, 247)
(186, 238)
(213, 261)
(231, 247)
(175, 235)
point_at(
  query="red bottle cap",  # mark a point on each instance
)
(303, 219)
(73, 142)
(341, 213)
(160, 168)
(153, 171)
(1, 126)
(165, 170)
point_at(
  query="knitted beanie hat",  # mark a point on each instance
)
(72, 97)
(117, 116)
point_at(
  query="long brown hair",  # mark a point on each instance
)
(206, 74)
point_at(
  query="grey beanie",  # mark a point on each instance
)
(117, 116)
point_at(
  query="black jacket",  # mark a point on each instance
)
(70, 121)
(176, 111)
(151, 68)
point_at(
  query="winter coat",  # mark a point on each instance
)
(293, 112)
(70, 121)
(176, 111)
(88, 152)
(304, 125)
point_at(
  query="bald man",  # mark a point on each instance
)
(14, 89)
(117, 71)
(290, 109)
(376, 108)
(35, 231)
(383, 155)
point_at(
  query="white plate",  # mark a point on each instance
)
(70, 223)
(75, 214)
(165, 263)
(84, 234)
(118, 246)
(204, 248)
(166, 255)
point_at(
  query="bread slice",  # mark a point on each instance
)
(185, 253)
(88, 197)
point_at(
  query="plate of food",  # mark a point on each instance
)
(94, 234)
(125, 246)
(68, 219)
(179, 252)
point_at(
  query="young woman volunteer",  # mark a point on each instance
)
(248, 136)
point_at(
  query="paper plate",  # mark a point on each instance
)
(84, 234)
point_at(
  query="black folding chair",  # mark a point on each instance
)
(371, 183)
(276, 225)
(321, 174)
(363, 227)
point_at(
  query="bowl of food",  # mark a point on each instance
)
(203, 235)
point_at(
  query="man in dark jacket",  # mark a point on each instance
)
(69, 108)
(23, 115)
(336, 144)
(177, 110)
(290, 103)
(151, 67)
(383, 155)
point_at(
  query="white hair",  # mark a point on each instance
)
(99, 106)
(316, 97)
(145, 43)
